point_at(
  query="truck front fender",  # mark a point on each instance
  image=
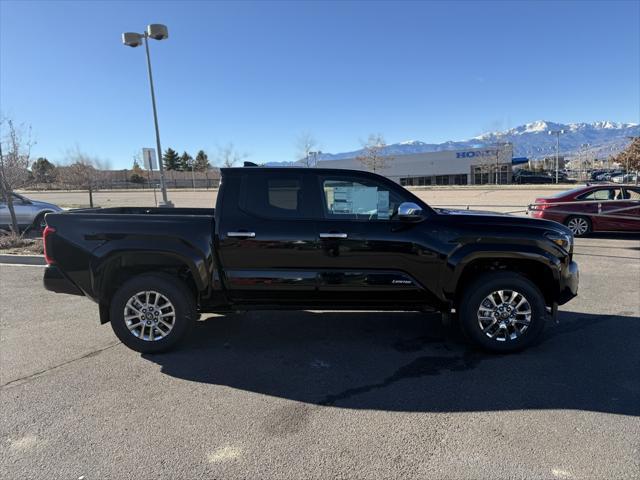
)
(521, 256)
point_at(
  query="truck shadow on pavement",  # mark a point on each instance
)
(410, 362)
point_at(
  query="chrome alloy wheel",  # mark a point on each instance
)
(149, 315)
(504, 315)
(578, 226)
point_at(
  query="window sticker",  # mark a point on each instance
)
(342, 200)
(383, 205)
(365, 200)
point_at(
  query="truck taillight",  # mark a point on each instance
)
(45, 233)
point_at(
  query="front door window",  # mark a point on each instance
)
(359, 199)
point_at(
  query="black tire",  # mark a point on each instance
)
(574, 219)
(476, 293)
(175, 291)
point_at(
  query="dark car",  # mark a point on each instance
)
(300, 238)
(594, 208)
(526, 176)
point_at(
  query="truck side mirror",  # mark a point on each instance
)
(410, 212)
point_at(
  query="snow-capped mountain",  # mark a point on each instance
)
(530, 140)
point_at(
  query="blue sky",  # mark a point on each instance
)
(258, 74)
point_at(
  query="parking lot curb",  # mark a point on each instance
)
(23, 259)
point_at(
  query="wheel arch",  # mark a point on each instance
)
(540, 272)
(40, 215)
(119, 267)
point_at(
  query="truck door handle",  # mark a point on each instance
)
(333, 235)
(241, 234)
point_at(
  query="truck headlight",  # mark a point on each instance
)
(564, 240)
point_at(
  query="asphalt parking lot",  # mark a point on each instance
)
(311, 394)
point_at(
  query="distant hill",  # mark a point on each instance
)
(530, 140)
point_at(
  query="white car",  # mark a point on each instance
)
(628, 178)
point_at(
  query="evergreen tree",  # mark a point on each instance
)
(44, 171)
(184, 163)
(202, 162)
(136, 172)
(171, 159)
(136, 167)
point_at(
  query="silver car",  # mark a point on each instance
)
(29, 213)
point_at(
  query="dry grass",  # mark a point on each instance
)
(18, 245)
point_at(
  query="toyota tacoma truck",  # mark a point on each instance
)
(298, 238)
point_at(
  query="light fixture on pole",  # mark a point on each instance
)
(557, 133)
(133, 39)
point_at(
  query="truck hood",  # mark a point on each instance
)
(477, 217)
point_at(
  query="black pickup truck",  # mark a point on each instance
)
(295, 238)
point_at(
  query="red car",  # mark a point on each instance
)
(594, 208)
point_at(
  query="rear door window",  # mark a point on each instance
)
(276, 196)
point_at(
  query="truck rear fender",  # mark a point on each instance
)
(111, 269)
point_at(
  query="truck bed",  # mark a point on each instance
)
(88, 244)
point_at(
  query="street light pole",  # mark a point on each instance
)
(557, 134)
(499, 146)
(163, 186)
(584, 158)
(193, 175)
(132, 39)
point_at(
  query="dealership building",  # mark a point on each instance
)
(475, 166)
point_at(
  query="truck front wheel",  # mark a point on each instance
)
(502, 311)
(151, 313)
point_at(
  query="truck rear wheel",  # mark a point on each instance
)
(151, 313)
(502, 312)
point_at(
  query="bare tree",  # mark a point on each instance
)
(306, 149)
(15, 153)
(81, 172)
(630, 157)
(228, 156)
(372, 157)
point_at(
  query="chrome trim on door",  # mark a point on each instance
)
(241, 234)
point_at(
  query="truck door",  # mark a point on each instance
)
(267, 238)
(368, 255)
